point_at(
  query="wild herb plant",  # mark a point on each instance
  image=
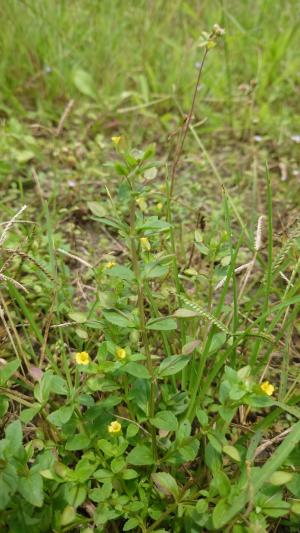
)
(156, 411)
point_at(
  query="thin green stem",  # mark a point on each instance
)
(141, 307)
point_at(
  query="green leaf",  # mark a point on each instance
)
(130, 524)
(103, 475)
(23, 156)
(185, 313)
(190, 347)
(201, 506)
(217, 341)
(141, 455)
(259, 400)
(165, 420)
(129, 473)
(153, 270)
(117, 465)
(171, 365)
(294, 485)
(280, 477)
(7, 370)
(136, 370)
(8, 484)
(13, 437)
(295, 508)
(83, 81)
(161, 324)
(121, 272)
(97, 208)
(78, 316)
(232, 452)
(214, 442)
(68, 515)
(78, 442)
(222, 483)
(101, 494)
(259, 478)
(61, 416)
(31, 488)
(150, 173)
(221, 509)
(28, 414)
(166, 484)
(132, 431)
(153, 224)
(118, 319)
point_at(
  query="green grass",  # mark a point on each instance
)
(167, 428)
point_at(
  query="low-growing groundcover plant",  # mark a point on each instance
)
(164, 412)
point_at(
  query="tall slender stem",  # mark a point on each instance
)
(186, 125)
(141, 307)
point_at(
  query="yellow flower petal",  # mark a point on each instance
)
(120, 353)
(267, 388)
(145, 244)
(116, 139)
(114, 427)
(82, 358)
(110, 264)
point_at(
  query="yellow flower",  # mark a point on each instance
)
(267, 388)
(142, 204)
(114, 427)
(116, 140)
(82, 358)
(121, 353)
(145, 244)
(109, 264)
(159, 206)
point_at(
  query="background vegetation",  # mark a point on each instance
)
(149, 334)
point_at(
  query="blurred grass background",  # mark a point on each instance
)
(116, 52)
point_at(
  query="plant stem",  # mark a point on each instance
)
(141, 307)
(186, 125)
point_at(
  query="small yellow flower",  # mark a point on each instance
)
(110, 264)
(82, 358)
(267, 388)
(159, 206)
(114, 427)
(142, 204)
(145, 244)
(120, 353)
(116, 140)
